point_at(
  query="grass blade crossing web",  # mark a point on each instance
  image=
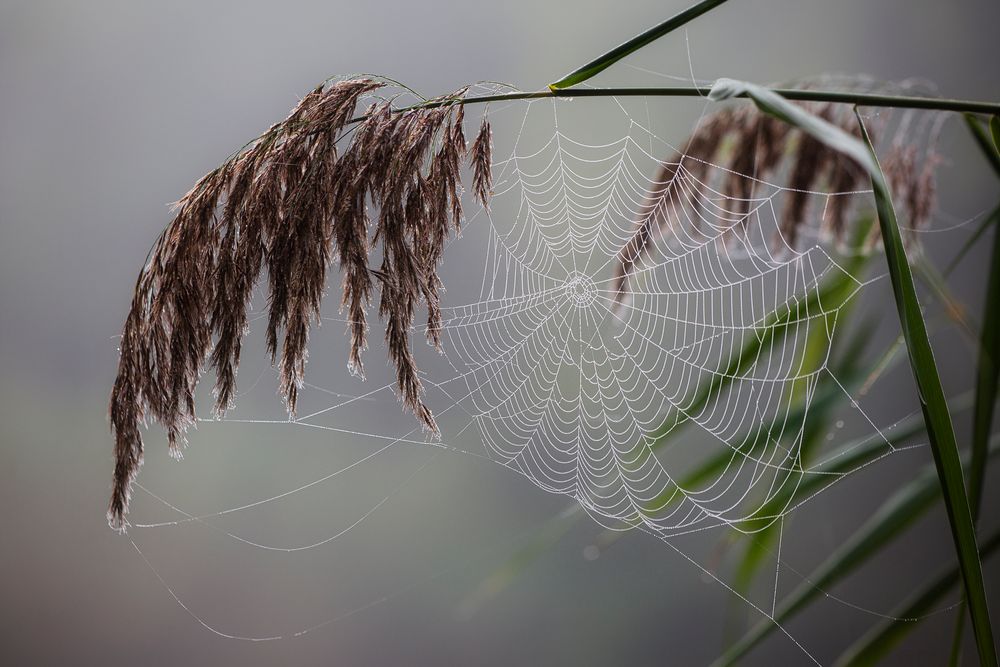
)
(939, 426)
(898, 513)
(876, 644)
(931, 394)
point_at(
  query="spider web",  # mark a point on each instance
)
(575, 391)
(599, 396)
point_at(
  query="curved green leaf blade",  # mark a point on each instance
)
(774, 104)
(988, 222)
(930, 393)
(939, 426)
(758, 551)
(880, 640)
(987, 380)
(987, 144)
(631, 46)
(900, 511)
(987, 376)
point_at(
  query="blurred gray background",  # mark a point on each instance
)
(109, 110)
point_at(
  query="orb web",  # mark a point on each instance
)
(574, 385)
(606, 396)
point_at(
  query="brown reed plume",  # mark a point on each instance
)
(482, 162)
(752, 146)
(289, 203)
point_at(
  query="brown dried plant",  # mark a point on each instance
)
(751, 146)
(290, 202)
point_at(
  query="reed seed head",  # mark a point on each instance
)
(291, 203)
(752, 147)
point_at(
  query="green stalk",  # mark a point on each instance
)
(984, 140)
(614, 55)
(987, 373)
(988, 367)
(953, 309)
(812, 95)
(989, 357)
(989, 221)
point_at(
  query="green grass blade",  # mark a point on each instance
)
(988, 222)
(758, 550)
(930, 393)
(987, 376)
(774, 104)
(987, 370)
(939, 426)
(831, 295)
(842, 462)
(631, 46)
(849, 458)
(880, 640)
(900, 511)
(986, 143)
(953, 309)
(956, 641)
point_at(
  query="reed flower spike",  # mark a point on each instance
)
(291, 203)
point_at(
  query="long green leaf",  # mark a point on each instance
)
(832, 294)
(849, 458)
(987, 376)
(988, 367)
(900, 511)
(758, 550)
(953, 309)
(986, 144)
(939, 426)
(987, 222)
(880, 640)
(774, 104)
(852, 456)
(930, 393)
(614, 55)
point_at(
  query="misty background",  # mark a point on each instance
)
(111, 110)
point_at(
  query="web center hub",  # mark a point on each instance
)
(580, 289)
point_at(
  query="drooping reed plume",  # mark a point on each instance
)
(752, 147)
(290, 203)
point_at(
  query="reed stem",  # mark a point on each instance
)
(858, 99)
